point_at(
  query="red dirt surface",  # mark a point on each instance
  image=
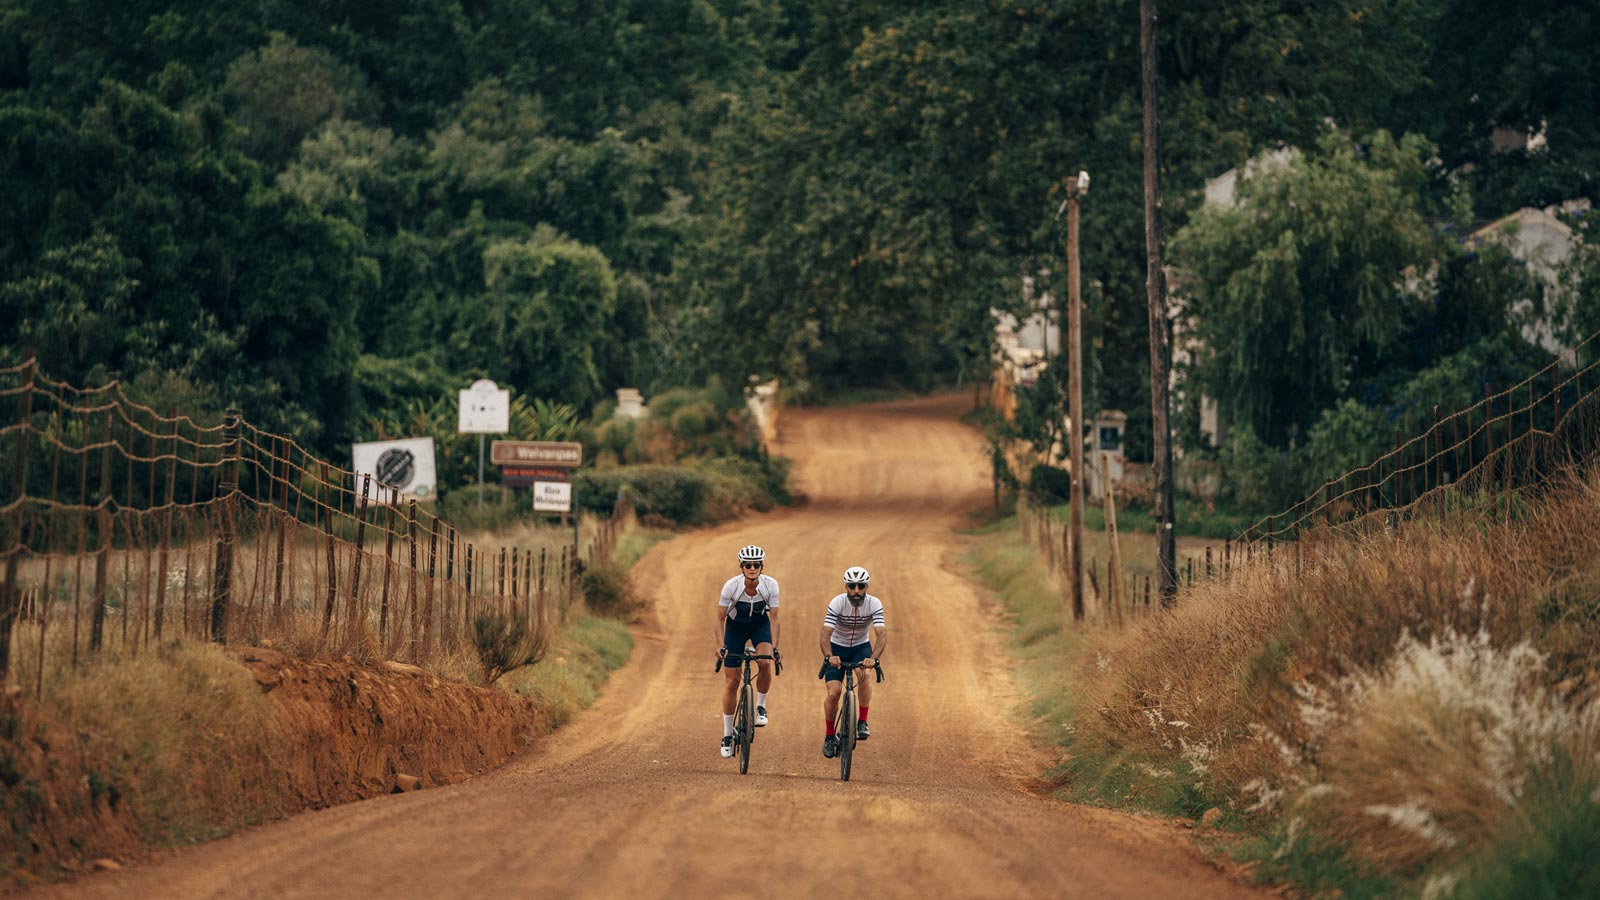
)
(633, 800)
(347, 732)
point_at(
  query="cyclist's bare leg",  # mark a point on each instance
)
(830, 703)
(730, 688)
(764, 676)
(864, 679)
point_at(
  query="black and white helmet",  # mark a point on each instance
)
(752, 553)
(856, 575)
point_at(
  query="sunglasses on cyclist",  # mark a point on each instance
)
(855, 585)
(749, 565)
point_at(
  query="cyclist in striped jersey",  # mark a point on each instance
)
(852, 631)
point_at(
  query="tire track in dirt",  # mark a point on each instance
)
(632, 799)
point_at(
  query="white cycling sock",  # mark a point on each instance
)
(727, 726)
(761, 699)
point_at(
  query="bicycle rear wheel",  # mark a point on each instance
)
(745, 728)
(847, 734)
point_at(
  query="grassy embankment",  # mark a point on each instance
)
(186, 740)
(1412, 713)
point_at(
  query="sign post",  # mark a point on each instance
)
(485, 409)
(544, 465)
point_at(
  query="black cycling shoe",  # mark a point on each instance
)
(862, 731)
(830, 746)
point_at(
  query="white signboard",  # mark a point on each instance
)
(552, 496)
(401, 470)
(485, 409)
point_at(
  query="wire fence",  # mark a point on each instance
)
(121, 528)
(1477, 459)
(1482, 455)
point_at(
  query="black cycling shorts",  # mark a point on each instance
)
(857, 653)
(757, 630)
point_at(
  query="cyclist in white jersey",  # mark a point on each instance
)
(852, 631)
(747, 612)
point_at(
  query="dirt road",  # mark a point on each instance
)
(633, 799)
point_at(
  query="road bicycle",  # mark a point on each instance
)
(844, 722)
(744, 714)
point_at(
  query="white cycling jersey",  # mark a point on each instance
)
(740, 605)
(852, 625)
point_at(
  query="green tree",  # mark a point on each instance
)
(283, 92)
(547, 302)
(1305, 285)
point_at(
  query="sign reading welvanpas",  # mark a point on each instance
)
(536, 453)
(552, 496)
(485, 409)
(400, 470)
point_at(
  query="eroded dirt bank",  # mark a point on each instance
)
(338, 732)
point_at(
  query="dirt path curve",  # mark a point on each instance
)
(633, 800)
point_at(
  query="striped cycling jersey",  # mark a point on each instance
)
(852, 625)
(742, 606)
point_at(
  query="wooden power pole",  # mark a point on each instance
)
(1156, 293)
(1076, 188)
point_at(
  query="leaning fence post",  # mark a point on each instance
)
(222, 584)
(388, 562)
(102, 558)
(326, 511)
(358, 610)
(10, 594)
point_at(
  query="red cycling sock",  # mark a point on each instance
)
(830, 728)
(863, 713)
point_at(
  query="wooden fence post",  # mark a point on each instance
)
(358, 610)
(102, 559)
(222, 581)
(326, 512)
(10, 593)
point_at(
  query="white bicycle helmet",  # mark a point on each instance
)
(857, 575)
(752, 553)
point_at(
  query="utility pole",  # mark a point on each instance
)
(1076, 188)
(1156, 292)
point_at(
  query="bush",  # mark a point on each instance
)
(1048, 484)
(607, 593)
(695, 494)
(505, 641)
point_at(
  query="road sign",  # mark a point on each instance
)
(485, 409)
(522, 476)
(536, 453)
(400, 470)
(552, 496)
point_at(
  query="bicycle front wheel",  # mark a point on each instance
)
(847, 734)
(745, 727)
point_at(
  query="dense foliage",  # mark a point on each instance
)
(333, 213)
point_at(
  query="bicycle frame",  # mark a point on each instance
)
(844, 721)
(744, 713)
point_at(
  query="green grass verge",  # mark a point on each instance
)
(584, 654)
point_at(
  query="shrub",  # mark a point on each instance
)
(1049, 484)
(607, 593)
(505, 641)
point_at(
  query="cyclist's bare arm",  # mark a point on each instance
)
(772, 616)
(722, 622)
(827, 641)
(880, 640)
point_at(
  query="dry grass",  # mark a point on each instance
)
(1398, 694)
(185, 734)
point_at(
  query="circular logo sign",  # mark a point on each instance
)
(396, 467)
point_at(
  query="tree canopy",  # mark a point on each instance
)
(283, 205)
